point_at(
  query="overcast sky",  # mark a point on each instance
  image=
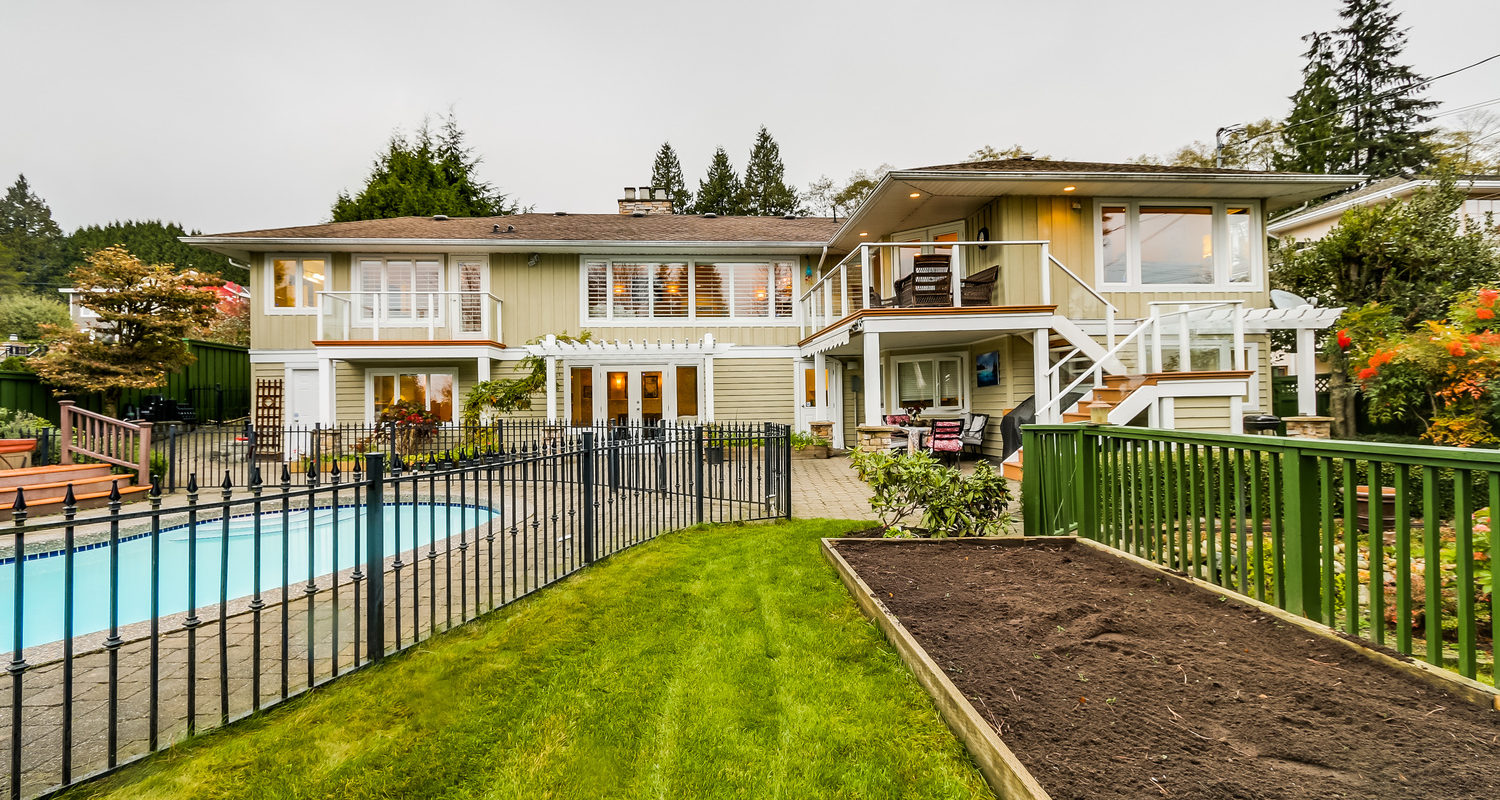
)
(234, 116)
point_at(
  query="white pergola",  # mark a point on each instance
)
(626, 352)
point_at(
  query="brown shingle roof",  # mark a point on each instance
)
(1043, 165)
(564, 228)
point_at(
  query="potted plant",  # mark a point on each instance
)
(806, 445)
(18, 431)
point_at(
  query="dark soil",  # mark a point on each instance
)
(1109, 681)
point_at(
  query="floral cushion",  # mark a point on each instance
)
(947, 445)
(897, 419)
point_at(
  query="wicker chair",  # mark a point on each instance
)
(977, 289)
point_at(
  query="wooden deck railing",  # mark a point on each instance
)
(106, 439)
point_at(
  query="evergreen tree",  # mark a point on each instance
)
(1314, 138)
(151, 240)
(1385, 107)
(766, 193)
(720, 191)
(424, 175)
(30, 240)
(666, 173)
(1359, 110)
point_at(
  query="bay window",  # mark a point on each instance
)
(1186, 244)
(430, 391)
(634, 290)
(296, 281)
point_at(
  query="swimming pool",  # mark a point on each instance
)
(43, 600)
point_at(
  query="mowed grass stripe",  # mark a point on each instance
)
(724, 661)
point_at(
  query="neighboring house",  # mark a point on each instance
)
(1482, 203)
(989, 284)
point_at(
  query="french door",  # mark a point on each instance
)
(632, 395)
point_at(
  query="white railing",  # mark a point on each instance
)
(849, 286)
(1147, 340)
(404, 316)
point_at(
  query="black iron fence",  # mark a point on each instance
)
(136, 626)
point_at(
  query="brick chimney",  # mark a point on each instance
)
(646, 200)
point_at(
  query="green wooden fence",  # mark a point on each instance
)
(217, 385)
(1289, 522)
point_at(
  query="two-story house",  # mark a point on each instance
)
(1018, 286)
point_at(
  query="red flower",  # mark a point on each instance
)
(1487, 297)
(1484, 313)
(1344, 341)
(1456, 348)
(1367, 373)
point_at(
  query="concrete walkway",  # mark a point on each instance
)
(828, 488)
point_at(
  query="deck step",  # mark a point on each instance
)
(56, 473)
(53, 505)
(1011, 470)
(58, 488)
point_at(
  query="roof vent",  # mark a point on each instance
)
(508, 229)
(710, 215)
(637, 213)
(789, 216)
(559, 213)
(439, 217)
(1027, 158)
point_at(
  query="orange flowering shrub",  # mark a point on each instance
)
(1446, 373)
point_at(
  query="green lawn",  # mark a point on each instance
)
(717, 662)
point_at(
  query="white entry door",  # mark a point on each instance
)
(301, 408)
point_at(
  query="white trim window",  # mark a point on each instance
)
(637, 290)
(1177, 245)
(433, 391)
(935, 382)
(293, 282)
(405, 289)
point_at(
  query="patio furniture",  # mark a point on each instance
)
(929, 284)
(902, 440)
(979, 288)
(947, 437)
(876, 301)
(973, 432)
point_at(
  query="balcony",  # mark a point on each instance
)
(408, 316)
(946, 276)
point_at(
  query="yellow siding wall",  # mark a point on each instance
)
(286, 331)
(759, 389)
(1015, 385)
(1202, 414)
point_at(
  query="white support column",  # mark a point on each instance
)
(551, 390)
(326, 392)
(1046, 276)
(1156, 332)
(1184, 350)
(1041, 383)
(874, 385)
(1307, 378)
(820, 388)
(956, 274)
(1237, 360)
(708, 389)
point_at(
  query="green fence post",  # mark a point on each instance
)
(1086, 490)
(1302, 565)
(1031, 483)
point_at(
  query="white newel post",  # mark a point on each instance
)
(1307, 368)
(1040, 382)
(864, 277)
(874, 401)
(326, 391)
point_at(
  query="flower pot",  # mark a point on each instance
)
(811, 451)
(1387, 507)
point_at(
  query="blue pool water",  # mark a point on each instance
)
(44, 576)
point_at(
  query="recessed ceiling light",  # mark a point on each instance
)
(915, 195)
(1069, 188)
(864, 233)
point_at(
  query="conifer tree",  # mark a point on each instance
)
(766, 192)
(424, 175)
(30, 240)
(720, 191)
(1385, 109)
(1314, 137)
(666, 173)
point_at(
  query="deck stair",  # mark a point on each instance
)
(45, 487)
(1116, 388)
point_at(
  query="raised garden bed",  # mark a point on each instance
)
(1108, 678)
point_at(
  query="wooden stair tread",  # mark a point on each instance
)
(127, 494)
(30, 487)
(24, 472)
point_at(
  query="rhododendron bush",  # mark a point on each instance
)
(1445, 373)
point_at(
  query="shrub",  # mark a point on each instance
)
(24, 314)
(18, 424)
(950, 503)
(803, 440)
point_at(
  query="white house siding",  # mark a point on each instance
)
(1202, 414)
